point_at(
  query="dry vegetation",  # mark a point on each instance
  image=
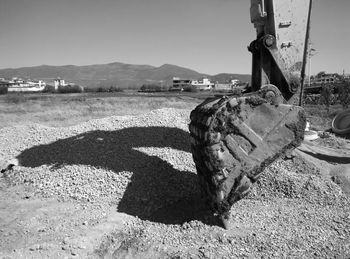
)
(320, 118)
(71, 109)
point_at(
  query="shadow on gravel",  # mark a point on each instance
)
(157, 192)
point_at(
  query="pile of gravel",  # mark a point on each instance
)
(142, 166)
(291, 212)
(296, 179)
(73, 182)
(328, 139)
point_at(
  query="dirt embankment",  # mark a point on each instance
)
(126, 187)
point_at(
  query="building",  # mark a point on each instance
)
(180, 84)
(59, 82)
(223, 87)
(233, 84)
(346, 77)
(202, 85)
(37, 83)
(20, 85)
(324, 78)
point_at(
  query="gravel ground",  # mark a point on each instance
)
(141, 166)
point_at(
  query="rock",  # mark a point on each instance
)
(13, 162)
(324, 134)
(81, 246)
(65, 240)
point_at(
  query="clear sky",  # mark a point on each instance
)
(209, 36)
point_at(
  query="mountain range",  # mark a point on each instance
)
(115, 74)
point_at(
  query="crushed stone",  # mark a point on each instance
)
(142, 166)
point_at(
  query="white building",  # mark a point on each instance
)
(235, 82)
(19, 85)
(223, 87)
(202, 85)
(59, 82)
(346, 77)
(324, 79)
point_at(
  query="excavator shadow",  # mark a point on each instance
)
(157, 191)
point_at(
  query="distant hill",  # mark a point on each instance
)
(116, 74)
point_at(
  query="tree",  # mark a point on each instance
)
(3, 89)
(326, 96)
(49, 89)
(344, 94)
(152, 88)
(320, 74)
(113, 89)
(70, 89)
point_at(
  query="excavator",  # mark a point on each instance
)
(234, 138)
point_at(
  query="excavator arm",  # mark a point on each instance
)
(280, 50)
(233, 139)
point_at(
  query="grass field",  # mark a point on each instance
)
(60, 110)
(70, 109)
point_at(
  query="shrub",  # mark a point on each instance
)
(326, 96)
(3, 89)
(49, 89)
(113, 89)
(70, 89)
(153, 88)
(311, 99)
(191, 89)
(344, 94)
(102, 89)
(90, 90)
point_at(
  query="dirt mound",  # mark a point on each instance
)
(126, 187)
(331, 140)
(296, 179)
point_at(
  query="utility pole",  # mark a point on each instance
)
(311, 53)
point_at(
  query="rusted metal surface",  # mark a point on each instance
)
(234, 139)
(279, 52)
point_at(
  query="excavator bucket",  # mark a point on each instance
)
(234, 139)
